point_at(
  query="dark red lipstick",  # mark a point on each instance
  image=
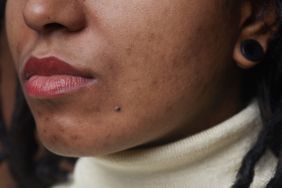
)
(51, 77)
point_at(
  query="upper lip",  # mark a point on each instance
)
(50, 66)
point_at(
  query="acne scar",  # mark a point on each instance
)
(74, 137)
(129, 51)
(152, 37)
(53, 139)
(47, 119)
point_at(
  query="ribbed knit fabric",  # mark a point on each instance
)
(209, 159)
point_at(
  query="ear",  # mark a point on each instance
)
(258, 23)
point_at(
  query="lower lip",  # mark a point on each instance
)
(56, 85)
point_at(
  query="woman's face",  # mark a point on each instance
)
(138, 72)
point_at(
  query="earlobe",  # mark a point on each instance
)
(256, 30)
(252, 50)
(248, 53)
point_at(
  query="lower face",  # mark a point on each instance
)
(159, 68)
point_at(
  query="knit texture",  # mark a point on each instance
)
(209, 159)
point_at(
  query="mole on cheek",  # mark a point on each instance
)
(117, 109)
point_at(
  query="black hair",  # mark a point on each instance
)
(267, 82)
(2, 8)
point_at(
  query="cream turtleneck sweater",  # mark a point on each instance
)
(209, 159)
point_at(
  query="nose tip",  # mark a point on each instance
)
(41, 15)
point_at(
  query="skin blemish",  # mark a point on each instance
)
(53, 139)
(61, 129)
(129, 51)
(38, 113)
(74, 137)
(117, 109)
(47, 119)
(152, 37)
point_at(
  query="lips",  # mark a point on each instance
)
(52, 77)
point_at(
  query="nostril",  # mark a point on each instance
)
(54, 15)
(53, 26)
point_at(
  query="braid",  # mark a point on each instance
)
(275, 121)
(246, 172)
(276, 181)
(268, 79)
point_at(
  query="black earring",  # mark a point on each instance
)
(252, 50)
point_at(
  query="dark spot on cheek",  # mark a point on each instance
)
(91, 109)
(61, 130)
(152, 37)
(53, 139)
(47, 119)
(129, 51)
(75, 137)
(155, 82)
(38, 113)
(169, 109)
(117, 109)
(110, 67)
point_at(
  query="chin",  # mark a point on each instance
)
(77, 141)
(58, 143)
(61, 146)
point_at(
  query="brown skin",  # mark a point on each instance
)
(6, 179)
(8, 86)
(169, 66)
(8, 80)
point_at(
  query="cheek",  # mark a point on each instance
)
(171, 64)
(18, 34)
